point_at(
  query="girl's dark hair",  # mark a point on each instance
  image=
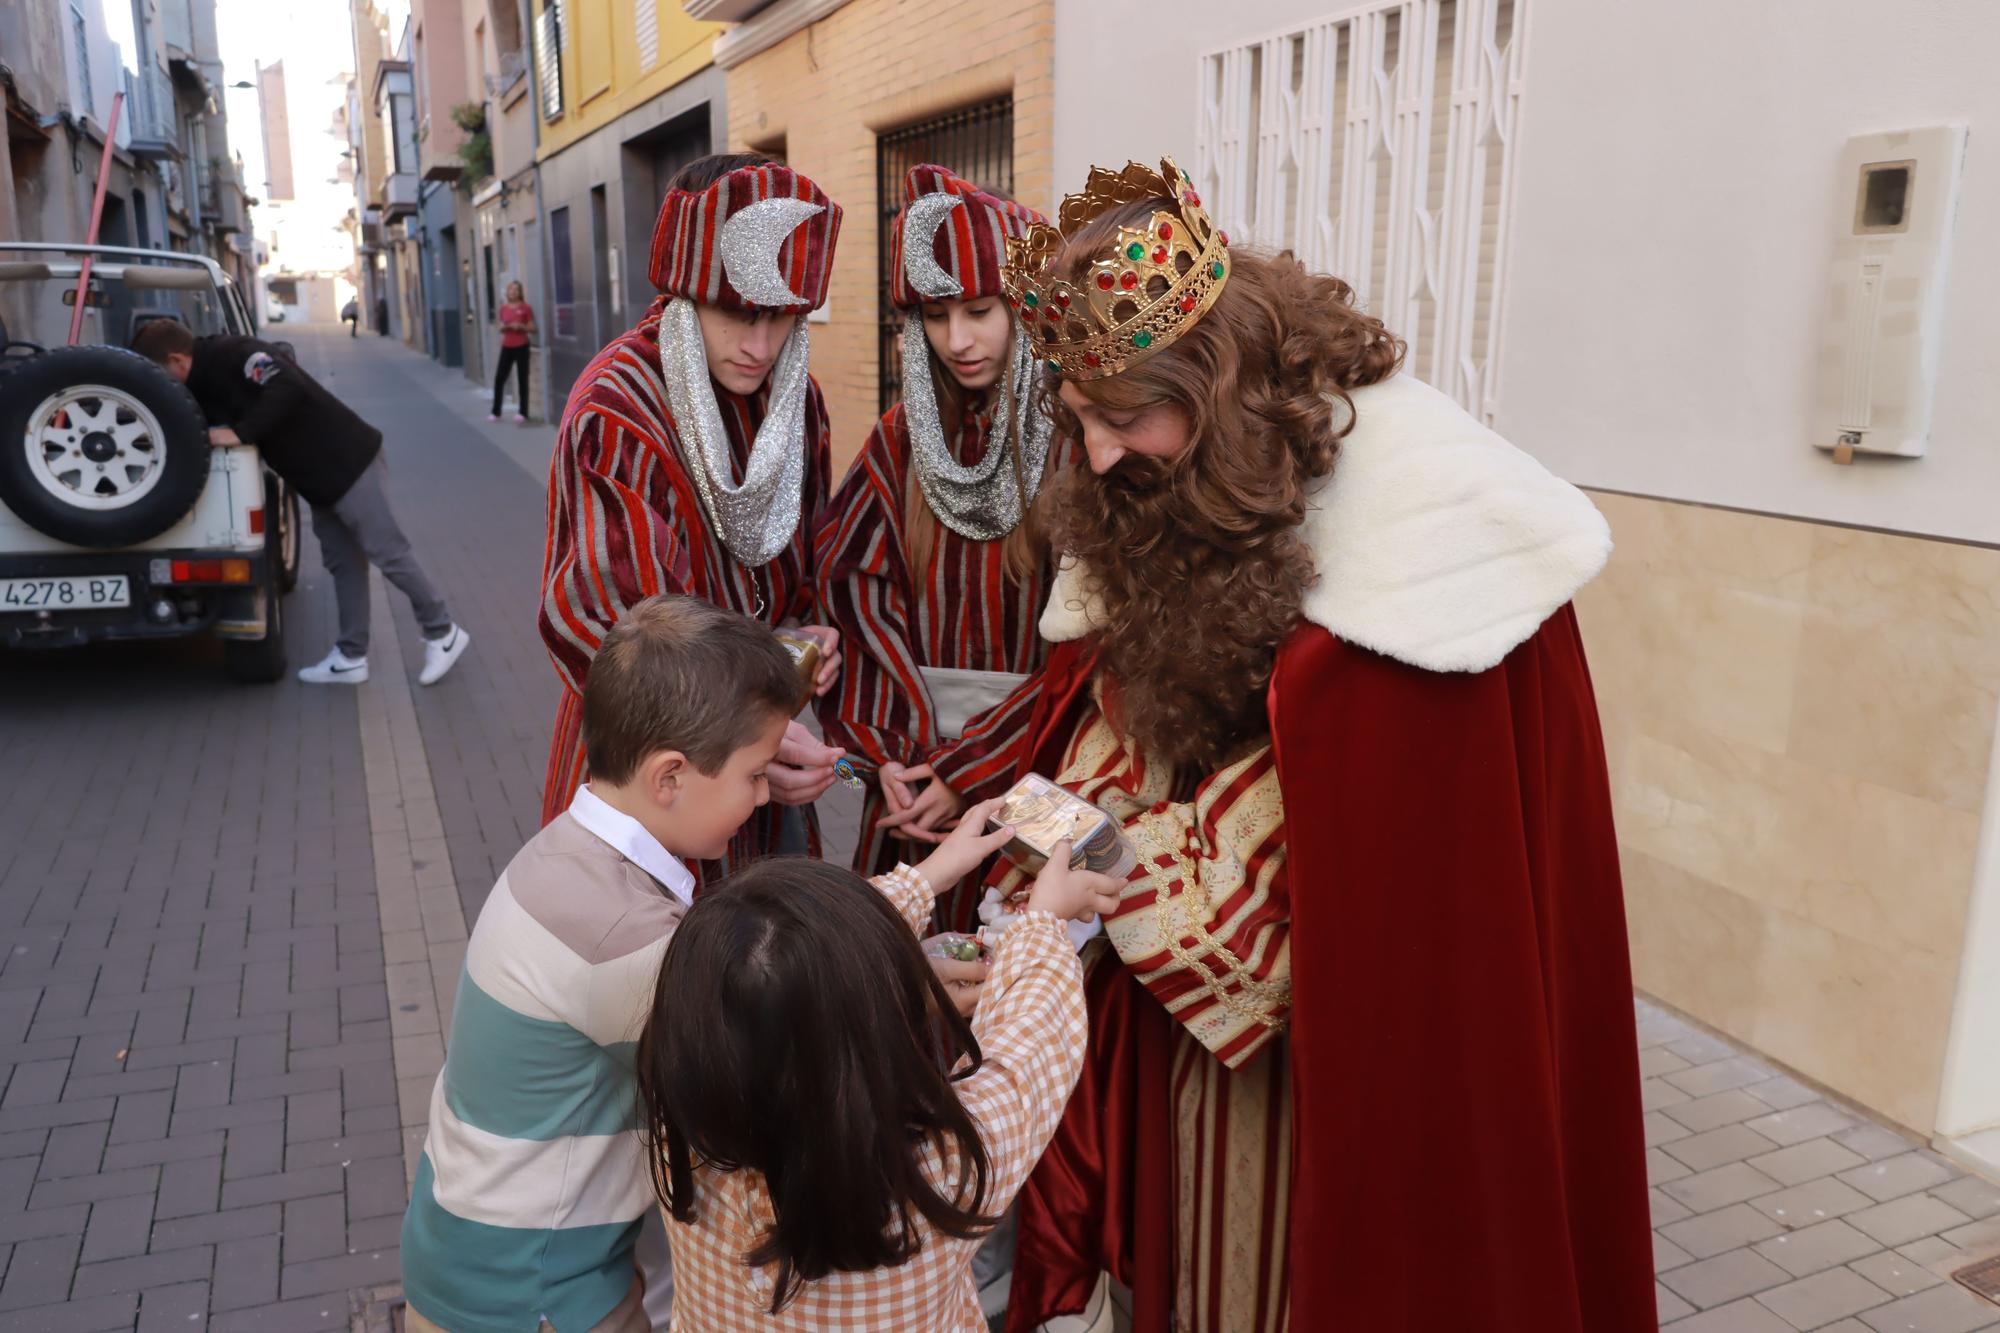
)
(703, 172)
(797, 1031)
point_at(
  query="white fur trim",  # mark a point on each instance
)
(1438, 543)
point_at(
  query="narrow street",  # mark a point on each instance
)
(231, 921)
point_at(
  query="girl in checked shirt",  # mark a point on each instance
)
(830, 1138)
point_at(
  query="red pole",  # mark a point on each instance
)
(96, 218)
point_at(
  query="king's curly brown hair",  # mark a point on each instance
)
(1196, 561)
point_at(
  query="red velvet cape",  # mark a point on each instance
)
(1468, 1155)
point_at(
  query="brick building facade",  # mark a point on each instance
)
(828, 88)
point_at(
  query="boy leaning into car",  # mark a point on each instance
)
(253, 393)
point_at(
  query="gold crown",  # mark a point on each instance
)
(1147, 288)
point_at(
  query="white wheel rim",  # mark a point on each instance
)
(95, 447)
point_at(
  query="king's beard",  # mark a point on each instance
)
(1197, 589)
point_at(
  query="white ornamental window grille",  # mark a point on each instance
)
(646, 28)
(1378, 145)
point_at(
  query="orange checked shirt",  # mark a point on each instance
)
(1030, 1026)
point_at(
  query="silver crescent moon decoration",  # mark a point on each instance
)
(921, 221)
(750, 241)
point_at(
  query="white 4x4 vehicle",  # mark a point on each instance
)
(118, 519)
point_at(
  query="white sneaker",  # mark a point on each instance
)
(441, 654)
(336, 668)
(521, 417)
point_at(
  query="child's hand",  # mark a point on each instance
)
(964, 847)
(963, 981)
(1072, 894)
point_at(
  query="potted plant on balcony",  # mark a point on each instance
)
(476, 151)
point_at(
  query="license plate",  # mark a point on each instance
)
(73, 594)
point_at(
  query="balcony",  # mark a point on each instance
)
(150, 127)
(222, 198)
(399, 195)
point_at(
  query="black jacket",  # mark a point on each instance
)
(308, 436)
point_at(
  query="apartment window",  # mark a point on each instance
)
(506, 34)
(646, 29)
(397, 115)
(564, 275)
(548, 57)
(976, 143)
(1379, 146)
(81, 32)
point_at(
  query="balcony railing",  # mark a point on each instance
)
(399, 195)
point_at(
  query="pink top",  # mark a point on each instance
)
(516, 312)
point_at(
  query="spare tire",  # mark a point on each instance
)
(99, 446)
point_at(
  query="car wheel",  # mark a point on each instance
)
(99, 447)
(260, 661)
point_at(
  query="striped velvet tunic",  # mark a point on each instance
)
(962, 611)
(625, 522)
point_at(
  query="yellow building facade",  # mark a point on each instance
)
(625, 96)
(614, 56)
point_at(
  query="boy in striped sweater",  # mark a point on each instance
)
(530, 1192)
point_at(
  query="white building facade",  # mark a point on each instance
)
(1633, 238)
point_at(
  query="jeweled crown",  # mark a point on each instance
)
(1148, 286)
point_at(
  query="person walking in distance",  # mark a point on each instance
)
(253, 393)
(517, 329)
(350, 315)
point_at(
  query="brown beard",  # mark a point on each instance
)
(1197, 592)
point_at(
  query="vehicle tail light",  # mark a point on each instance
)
(257, 521)
(211, 571)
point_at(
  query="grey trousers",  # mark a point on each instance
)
(360, 528)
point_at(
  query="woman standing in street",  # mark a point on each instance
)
(927, 563)
(517, 328)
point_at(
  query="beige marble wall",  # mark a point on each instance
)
(1799, 720)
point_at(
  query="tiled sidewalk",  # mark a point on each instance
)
(199, 1122)
(1778, 1211)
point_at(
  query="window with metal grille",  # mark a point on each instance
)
(80, 32)
(646, 31)
(1378, 146)
(976, 143)
(548, 57)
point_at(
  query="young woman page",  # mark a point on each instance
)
(928, 564)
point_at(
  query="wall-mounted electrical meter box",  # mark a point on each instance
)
(1879, 351)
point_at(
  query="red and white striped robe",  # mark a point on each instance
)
(1204, 929)
(625, 522)
(964, 613)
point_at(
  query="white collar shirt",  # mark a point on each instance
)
(629, 838)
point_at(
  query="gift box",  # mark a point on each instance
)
(1043, 814)
(805, 651)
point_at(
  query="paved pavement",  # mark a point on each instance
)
(231, 920)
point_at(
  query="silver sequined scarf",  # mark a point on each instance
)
(756, 518)
(980, 501)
